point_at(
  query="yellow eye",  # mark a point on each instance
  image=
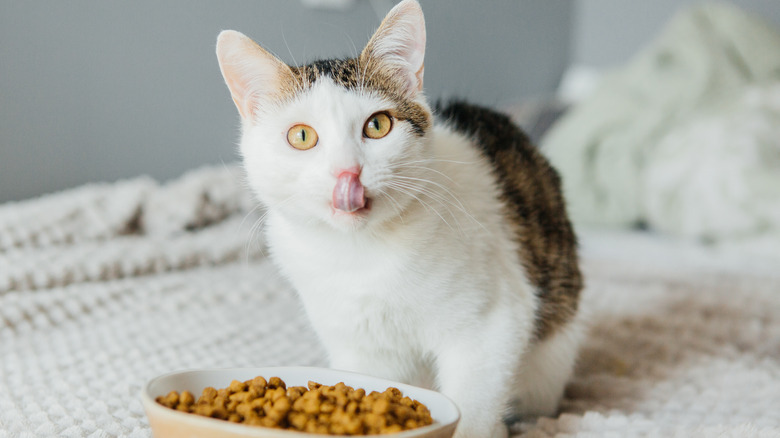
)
(302, 137)
(378, 125)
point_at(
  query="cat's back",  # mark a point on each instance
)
(533, 205)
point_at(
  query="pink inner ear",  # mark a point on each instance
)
(415, 55)
(400, 42)
(419, 76)
(249, 71)
(240, 94)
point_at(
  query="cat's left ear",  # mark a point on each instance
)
(399, 44)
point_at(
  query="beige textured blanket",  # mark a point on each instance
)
(106, 286)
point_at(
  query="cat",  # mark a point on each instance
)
(430, 247)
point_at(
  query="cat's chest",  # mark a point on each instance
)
(338, 264)
(363, 291)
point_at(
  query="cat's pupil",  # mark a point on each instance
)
(303, 135)
(375, 123)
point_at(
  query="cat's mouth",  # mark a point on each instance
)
(349, 195)
(350, 221)
(356, 212)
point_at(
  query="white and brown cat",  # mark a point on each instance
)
(428, 246)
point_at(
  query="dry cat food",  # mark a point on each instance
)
(334, 410)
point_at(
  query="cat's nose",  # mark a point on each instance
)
(348, 193)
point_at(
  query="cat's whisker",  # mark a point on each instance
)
(440, 197)
(295, 78)
(284, 38)
(246, 216)
(252, 235)
(415, 164)
(440, 186)
(412, 195)
(459, 205)
(438, 160)
(352, 42)
(251, 231)
(366, 73)
(410, 166)
(362, 75)
(425, 191)
(256, 229)
(409, 189)
(393, 203)
(365, 63)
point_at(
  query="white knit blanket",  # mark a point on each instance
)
(684, 138)
(106, 286)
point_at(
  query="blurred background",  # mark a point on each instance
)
(104, 90)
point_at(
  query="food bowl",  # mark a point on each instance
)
(170, 423)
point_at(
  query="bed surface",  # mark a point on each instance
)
(106, 286)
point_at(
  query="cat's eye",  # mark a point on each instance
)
(378, 125)
(302, 137)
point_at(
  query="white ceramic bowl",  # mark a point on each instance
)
(169, 423)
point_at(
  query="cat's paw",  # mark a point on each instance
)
(500, 430)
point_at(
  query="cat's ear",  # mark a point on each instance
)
(251, 73)
(399, 44)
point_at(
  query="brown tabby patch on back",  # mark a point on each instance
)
(531, 190)
(367, 75)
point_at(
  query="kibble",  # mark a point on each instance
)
(320, 409)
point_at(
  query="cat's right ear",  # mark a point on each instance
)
(399, 45)
(251, 73)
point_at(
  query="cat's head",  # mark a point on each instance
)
(335, 141)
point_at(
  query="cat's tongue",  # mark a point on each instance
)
(348, 194)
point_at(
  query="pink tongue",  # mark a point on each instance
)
(348, 193)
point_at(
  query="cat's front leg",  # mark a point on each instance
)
(369, 362)
(476, 372)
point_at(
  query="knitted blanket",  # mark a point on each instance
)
(106, 286)
(684, 138)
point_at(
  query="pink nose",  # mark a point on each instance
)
(348, 194)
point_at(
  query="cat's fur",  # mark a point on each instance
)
(461, 271)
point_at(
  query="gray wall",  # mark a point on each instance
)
(607, 32)
(98, 90)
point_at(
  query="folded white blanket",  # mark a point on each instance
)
(686, 137)
(106, 286)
